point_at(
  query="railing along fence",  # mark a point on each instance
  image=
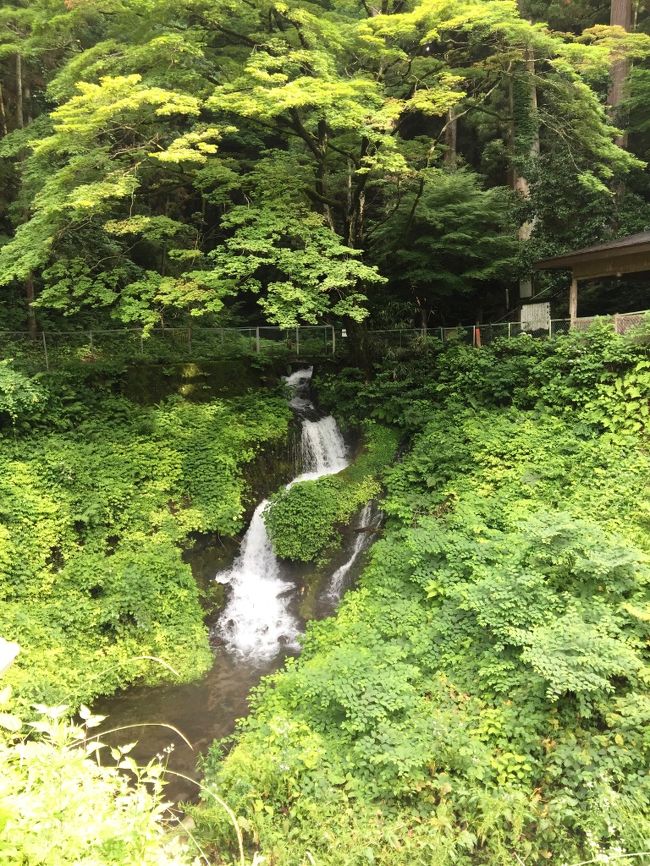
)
(471, 335)
(51, 348)
(484, 334)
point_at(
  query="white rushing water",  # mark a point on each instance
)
(337, 580)
(257, 622)
(322, 449)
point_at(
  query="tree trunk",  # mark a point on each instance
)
(451, 138)
(3, 113)
(356, 344)
(356, 200)
(320, 172)
(28, 103)
(424, 312)
(20, 121)
(526, 103)
(620, 16)
(524, 142)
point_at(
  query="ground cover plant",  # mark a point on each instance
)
(482, 697)
(98, 497)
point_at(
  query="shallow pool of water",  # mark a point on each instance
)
(207, 709)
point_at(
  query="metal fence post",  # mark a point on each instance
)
(509, 329)
(257, 340)
(333, 340)
(141, 344)
(90, 337)
(47, 360)
(297, 340)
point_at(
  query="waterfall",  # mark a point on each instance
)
(322, 449)
(337, 581)
(257, 621)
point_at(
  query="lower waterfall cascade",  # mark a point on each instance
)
(368, 523)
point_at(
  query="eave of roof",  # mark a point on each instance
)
(627, 246)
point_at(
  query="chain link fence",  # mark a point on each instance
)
(397, 339)
(622, 323)
(59, 348)
(625, 322)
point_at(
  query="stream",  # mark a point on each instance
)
(268, 604)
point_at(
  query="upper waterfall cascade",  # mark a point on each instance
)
(257, 621)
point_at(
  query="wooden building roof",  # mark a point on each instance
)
(626, 255)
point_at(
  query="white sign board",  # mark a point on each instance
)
(535, 317)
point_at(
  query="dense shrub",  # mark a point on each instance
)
(303, 520)
(95, 507)
(565, 374)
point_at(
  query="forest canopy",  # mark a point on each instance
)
(300, 162)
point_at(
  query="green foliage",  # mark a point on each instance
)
(573, 372)
(303, 521)
(166, 161)
(482, 696)
(98, 497)
(622, 404)
(19, 394)
(281, 235)
(59, 803)
(469, 232)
